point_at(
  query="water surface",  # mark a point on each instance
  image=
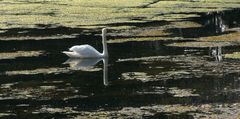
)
(139, 79)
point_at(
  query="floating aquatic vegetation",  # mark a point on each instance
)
(8, 85)
(136, 76)
(39, 71)
(122, 40)
(199, 44)
(143, 58)
(39, 92)
(194, 111)
(65, 110)
(229, 37)
(235, 55)
(48, 87)
(7, 114)
(181, 92)
(13, 55)
(37, 37)
(185, 24)
(152, 33)
(154, 90)
(52, 70)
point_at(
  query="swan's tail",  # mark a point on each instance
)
(71, 54)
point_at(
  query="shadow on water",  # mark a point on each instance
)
(213, 23)
(41, 30)
(170, 116)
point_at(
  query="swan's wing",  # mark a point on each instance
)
(85, 50)
(78, 47)
(71, 54)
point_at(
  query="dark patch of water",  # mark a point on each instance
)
(170, 116)
(41, 30)
(221, 19)
(213, 23)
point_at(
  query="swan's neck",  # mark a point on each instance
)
(104, 42)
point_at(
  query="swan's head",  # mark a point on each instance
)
(104, 30)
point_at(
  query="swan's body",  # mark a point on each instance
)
(83, 51)
(87, 51)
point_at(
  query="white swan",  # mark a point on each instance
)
(87, 51)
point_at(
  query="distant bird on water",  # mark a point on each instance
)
(87, 51)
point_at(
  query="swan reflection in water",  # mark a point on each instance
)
(86, 64)
(217, 53)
